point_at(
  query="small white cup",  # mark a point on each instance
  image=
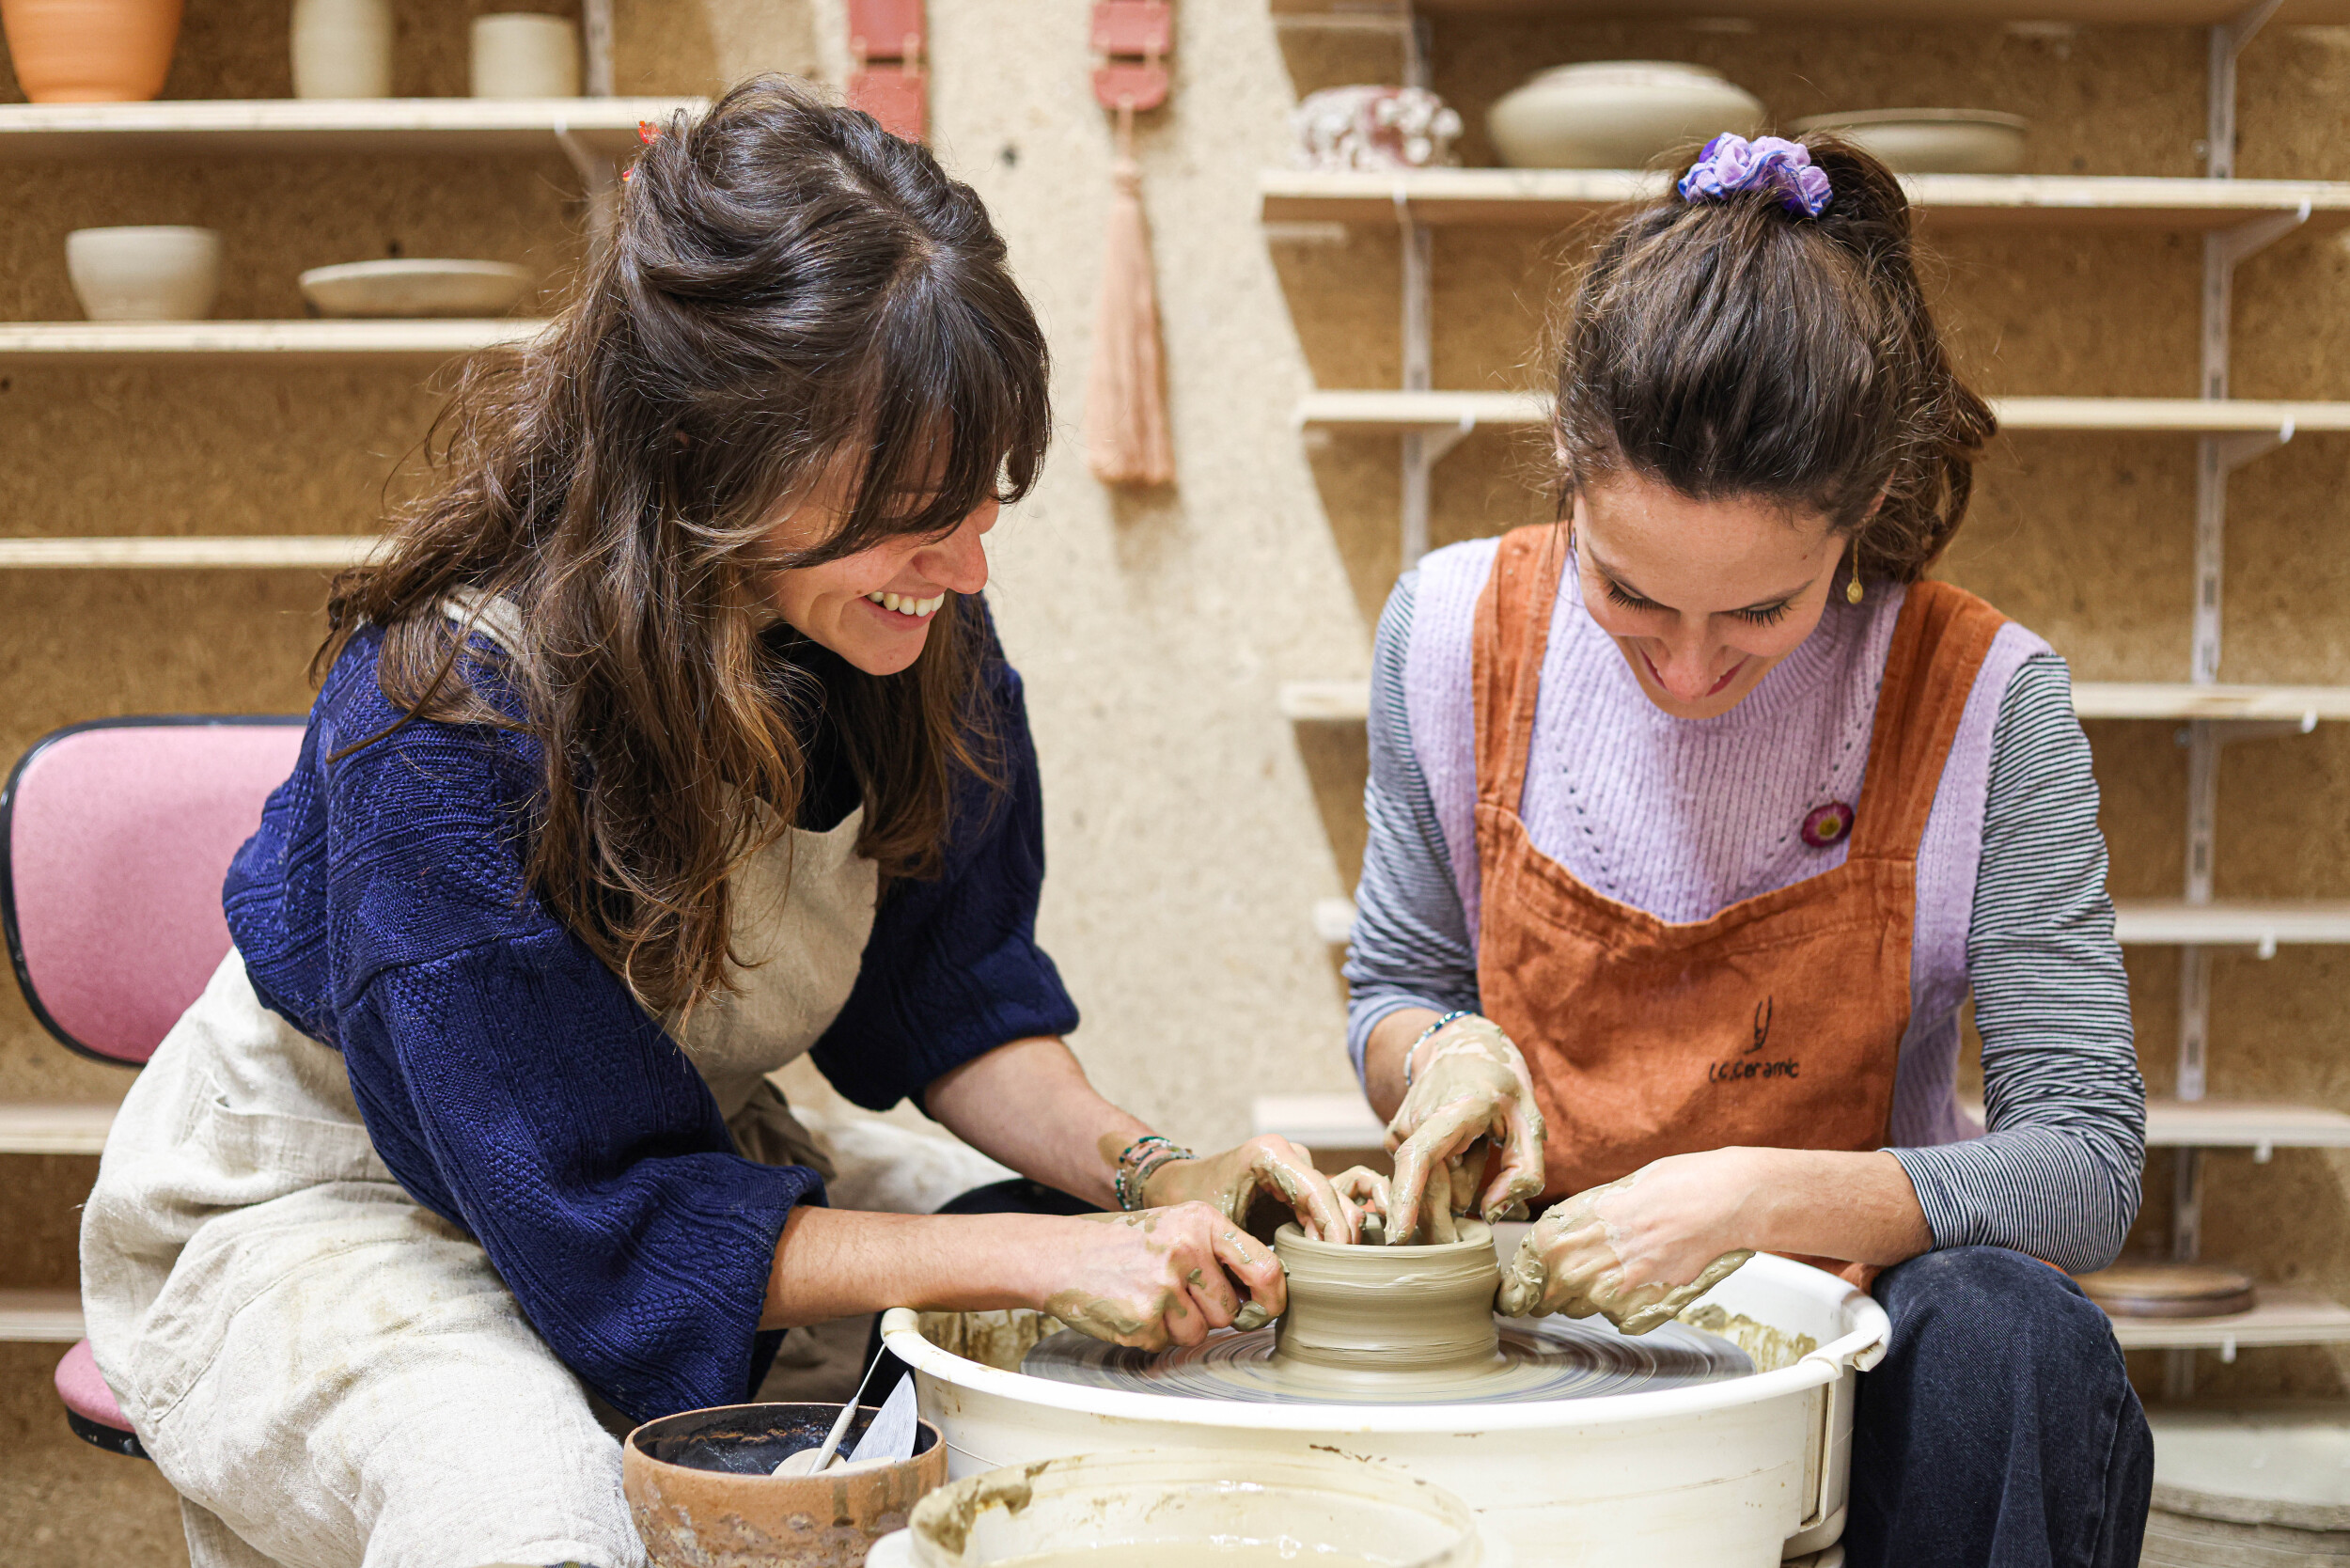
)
(342, 48)
(525, 54)
(149, 274)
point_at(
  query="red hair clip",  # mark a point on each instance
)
(647, 132)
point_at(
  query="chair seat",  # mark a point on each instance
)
(90, 1408)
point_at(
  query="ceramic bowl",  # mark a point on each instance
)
(1617, 114)
(703, 1490)
(1930, 141)
(144, 274)
(416, 288)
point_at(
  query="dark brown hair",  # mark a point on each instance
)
(792, 292)
(1735, 348)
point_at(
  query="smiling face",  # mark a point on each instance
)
(873, 608)
(1702, 597)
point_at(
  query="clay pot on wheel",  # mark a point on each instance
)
(92, 51)
(703, 1490)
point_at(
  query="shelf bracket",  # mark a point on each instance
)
(600, 183)
(1420, 454)
(596, 19)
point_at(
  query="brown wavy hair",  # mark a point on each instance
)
(1734, 348)
(792, 293)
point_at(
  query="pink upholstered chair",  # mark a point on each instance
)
(114, 839)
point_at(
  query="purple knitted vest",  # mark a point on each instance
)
(1682, 817)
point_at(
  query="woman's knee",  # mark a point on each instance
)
(1992, 1302)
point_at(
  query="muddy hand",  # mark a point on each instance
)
(1163, 1276)
(1469, 1083)
(1270, 1165)
(1569, 1264)
(1364, 1192)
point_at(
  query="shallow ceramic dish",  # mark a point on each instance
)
(416, 288)
(1617, 114)
(158, 272)
(703, 1494)
(1932, 141)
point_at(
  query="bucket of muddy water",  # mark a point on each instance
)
(1172, 1509)
(702, 1488)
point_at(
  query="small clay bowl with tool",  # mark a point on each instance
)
(702, 1488)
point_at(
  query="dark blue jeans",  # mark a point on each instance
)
(2000, 1429)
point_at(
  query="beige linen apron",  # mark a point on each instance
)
(330, 1374)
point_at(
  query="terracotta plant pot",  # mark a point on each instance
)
(700, 1489)
(92, 51)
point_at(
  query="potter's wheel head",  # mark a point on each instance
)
(1540, 1358)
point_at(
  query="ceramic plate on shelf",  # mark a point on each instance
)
(416, 288)
(2170, 1290)
(1930, 141)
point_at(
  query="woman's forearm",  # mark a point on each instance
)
(1383, 1056)
(1030, 1105)
(1855, 1206)
(836, 1263)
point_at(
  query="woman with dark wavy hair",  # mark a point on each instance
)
(667, 741)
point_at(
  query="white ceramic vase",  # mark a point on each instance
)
(1617, 114)
(525, 54)
(342, 48)
(151, 273)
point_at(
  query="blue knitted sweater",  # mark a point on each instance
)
(517, 1089)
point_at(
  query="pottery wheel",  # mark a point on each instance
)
(1541, 1358)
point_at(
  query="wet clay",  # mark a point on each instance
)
(1397, 1325)
(1390, 1312)
(1768, 1348)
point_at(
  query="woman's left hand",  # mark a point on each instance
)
(1269, 1166)
(1637, 1250)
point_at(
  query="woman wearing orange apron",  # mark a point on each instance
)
(1696, 819)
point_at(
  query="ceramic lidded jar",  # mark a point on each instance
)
(92, 51)
(1617, 114)
(342, 48)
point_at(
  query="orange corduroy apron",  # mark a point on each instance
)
(1778, 1021)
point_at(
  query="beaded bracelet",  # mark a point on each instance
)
(1136, 1163)
(1413, 1049)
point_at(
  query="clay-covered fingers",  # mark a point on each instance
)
(1364, 1192)
(1423, 1166)
(1513, 1167)
(1285, 1171)
(1253, 1264)
(1164, 1277)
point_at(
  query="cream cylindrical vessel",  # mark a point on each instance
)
(1388, 1311)
(342, 49)
(523, 55)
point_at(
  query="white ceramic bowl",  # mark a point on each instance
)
(416, 288)
(1617, 114)
(1932, 141)
(145, 273)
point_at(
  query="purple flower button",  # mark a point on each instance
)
(1827, 824)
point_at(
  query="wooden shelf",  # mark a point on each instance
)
(336, 342)
(183, 552)
(53, 1317)
(2173, 13)
(1396, 413)
(2282, 1317)
(2262, 1128)
(2137, 923)
(54, 1127)
(1349, 702)
(1319, 1120)
(281, 127)
(1553, 198)
(2266, 925)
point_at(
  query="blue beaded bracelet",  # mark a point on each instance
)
(1452, 1017)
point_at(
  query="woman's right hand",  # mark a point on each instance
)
(1467, 1083)
(1160, 1277)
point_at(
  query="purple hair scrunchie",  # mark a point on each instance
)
(1731, 164)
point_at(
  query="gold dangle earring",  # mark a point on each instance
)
(1852, 590)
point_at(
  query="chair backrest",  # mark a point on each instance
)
(113, 839)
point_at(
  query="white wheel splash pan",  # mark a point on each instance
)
(1738, 1474)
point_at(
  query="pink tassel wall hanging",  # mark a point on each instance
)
(885, 39)
(1127, 440)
